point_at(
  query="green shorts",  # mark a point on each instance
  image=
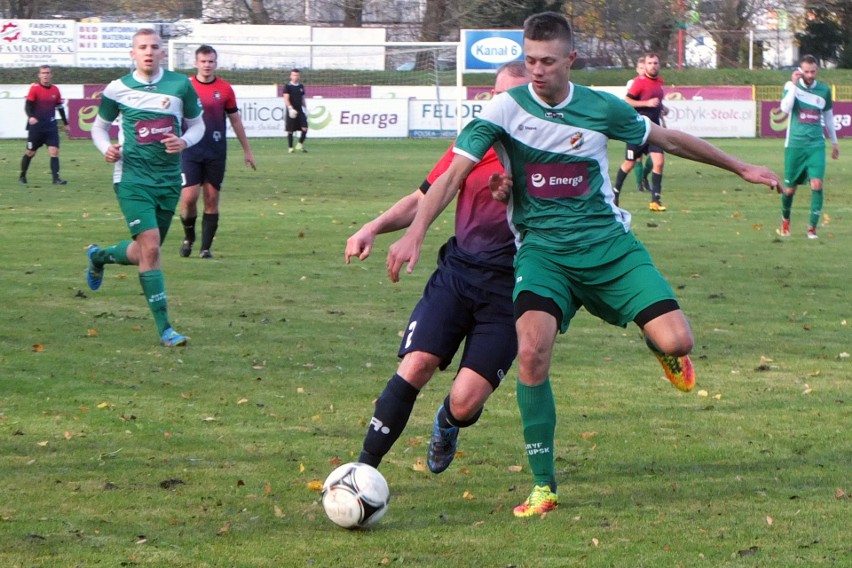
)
(615, 291)
(803, 164)
(145, 207)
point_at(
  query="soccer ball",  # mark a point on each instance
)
(355, 496)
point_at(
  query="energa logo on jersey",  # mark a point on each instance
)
(559, 180)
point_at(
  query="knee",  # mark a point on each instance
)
(418, 367)
(678, 343)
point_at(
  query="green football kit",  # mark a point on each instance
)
(809, 108)
(575, 245)
(147, 179)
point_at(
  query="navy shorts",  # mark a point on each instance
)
(636, 151)
(451, 311)
(38, 137)
(195, 171)
(296, 124)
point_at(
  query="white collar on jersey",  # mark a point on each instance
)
(154, 79)
(548, 105)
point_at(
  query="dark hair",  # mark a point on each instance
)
(809, 59)
(206, 50)
(548, 26)
(650, 55)
(513, 68)
(43, 67)
(294, 71)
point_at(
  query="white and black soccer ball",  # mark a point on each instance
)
(355, 496)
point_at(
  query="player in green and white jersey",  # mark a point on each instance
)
(575, 245)
(150, 104)
(808, 102)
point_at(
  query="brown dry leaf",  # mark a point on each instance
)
(460, 454)
(38, 348)
(587, 435)
(384, 561)
(242, 401)
(736, 214)
(757, 227)
(808, 389)
(240, 483)
(840, 494)
(468, 495)
(315, 485)
(765, 360)
(278, 512)
(596, 542)
(316, 417)
(419, 465)
(167, 434)
(67, 435)
(136, 328)
(516, 468)
(335, 461)
(769, 520)
(91, 332)
(464, 471)
(267, 489)
(225, 528)
(413, 442)
(300, 390)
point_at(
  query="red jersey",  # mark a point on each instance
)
(217, 100)
(44, 102)
(645, 88)
(483, 249)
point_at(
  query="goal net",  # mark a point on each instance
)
(386, 89)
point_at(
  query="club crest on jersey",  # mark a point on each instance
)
(217, 95)
(166, 102)
(576, 140)
(553, 114)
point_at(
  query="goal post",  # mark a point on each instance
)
(374, 77)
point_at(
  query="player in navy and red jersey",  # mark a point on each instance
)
(43, 101)
(646, 96)
(468, 298)
(204, 163)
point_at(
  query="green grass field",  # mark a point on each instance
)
(117, 452)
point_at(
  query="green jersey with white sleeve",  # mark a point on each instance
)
(147, 112)
(806, 115)
(562, 196)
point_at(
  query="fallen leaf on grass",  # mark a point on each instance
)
(43, 444)
(141, 539)
(419, 465)
(91, 332)
(596, 542)
(335, 461)
(515, 468)
(703, 392)
(301, 468)
(278, 512)
(840, 494)
(242, 401)
(315, 485)
(749, 551)
(808, 389)
(104, 405)
(224, 529)
(267, 489)
(38, 347)
(587, 435)
(769, 520)
(468, 495)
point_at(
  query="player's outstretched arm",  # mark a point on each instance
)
(692, 148)
(399, 216)
(407, 249)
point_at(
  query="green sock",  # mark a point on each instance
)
(639, 172)
(816, 207)
(786, 205)
(116, 254)
(538, 416)
(154, 288)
